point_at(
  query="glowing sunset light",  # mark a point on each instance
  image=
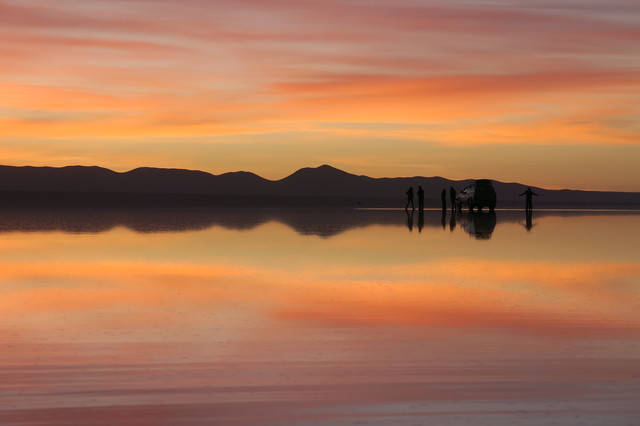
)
(545, 94)
(307, 317)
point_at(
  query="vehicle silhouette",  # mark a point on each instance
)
(478, 195)
(477, 225)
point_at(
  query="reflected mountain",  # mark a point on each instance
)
(304, 221)
(322, 222)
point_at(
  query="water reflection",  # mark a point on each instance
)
(319, 222)
(479, 225)
(452, 220)
(528, 220)
(239, 317)
(410, 220)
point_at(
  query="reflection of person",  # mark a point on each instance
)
(528, 216)
(420, 193)
(529, 198)
(409, 220)
(444, 219)
(443, 197)
(452, 195)
(420, 220)
(409, 198)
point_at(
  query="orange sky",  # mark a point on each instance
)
(543, 93)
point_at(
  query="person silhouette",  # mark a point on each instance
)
(452, 195)
(420, 193)
(443, 197)
(409, 198)
(529, 199)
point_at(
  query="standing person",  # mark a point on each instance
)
(409, 198)
(443, 196)
(529, 199)
(420, 198)
(452, 195)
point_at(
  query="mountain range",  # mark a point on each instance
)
(19, 185)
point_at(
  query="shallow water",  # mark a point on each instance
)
(309, 317)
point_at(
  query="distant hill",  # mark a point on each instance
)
(306, 186)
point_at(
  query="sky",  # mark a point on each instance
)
(545, 93)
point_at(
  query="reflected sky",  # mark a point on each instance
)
(274, 317)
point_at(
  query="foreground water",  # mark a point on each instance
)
(319, 317)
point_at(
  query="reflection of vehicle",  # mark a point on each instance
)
(477, 195)
(478, 225)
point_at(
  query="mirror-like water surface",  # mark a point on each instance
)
(319, 317)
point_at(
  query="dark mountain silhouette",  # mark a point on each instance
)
(324, 181)
(140, 180)
(324, 185)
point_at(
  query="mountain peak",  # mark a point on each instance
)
(324, 170)
(327, 167)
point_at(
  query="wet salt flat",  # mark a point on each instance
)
(306, 317)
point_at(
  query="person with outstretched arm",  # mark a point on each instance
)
(529, 199)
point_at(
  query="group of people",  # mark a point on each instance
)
(452, 193)
(420, 193)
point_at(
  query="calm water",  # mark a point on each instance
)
(319, 317)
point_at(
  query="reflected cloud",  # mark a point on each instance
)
(219, 323)
(466, 291)
(527, 297)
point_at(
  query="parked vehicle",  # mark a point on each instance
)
(478, 195)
